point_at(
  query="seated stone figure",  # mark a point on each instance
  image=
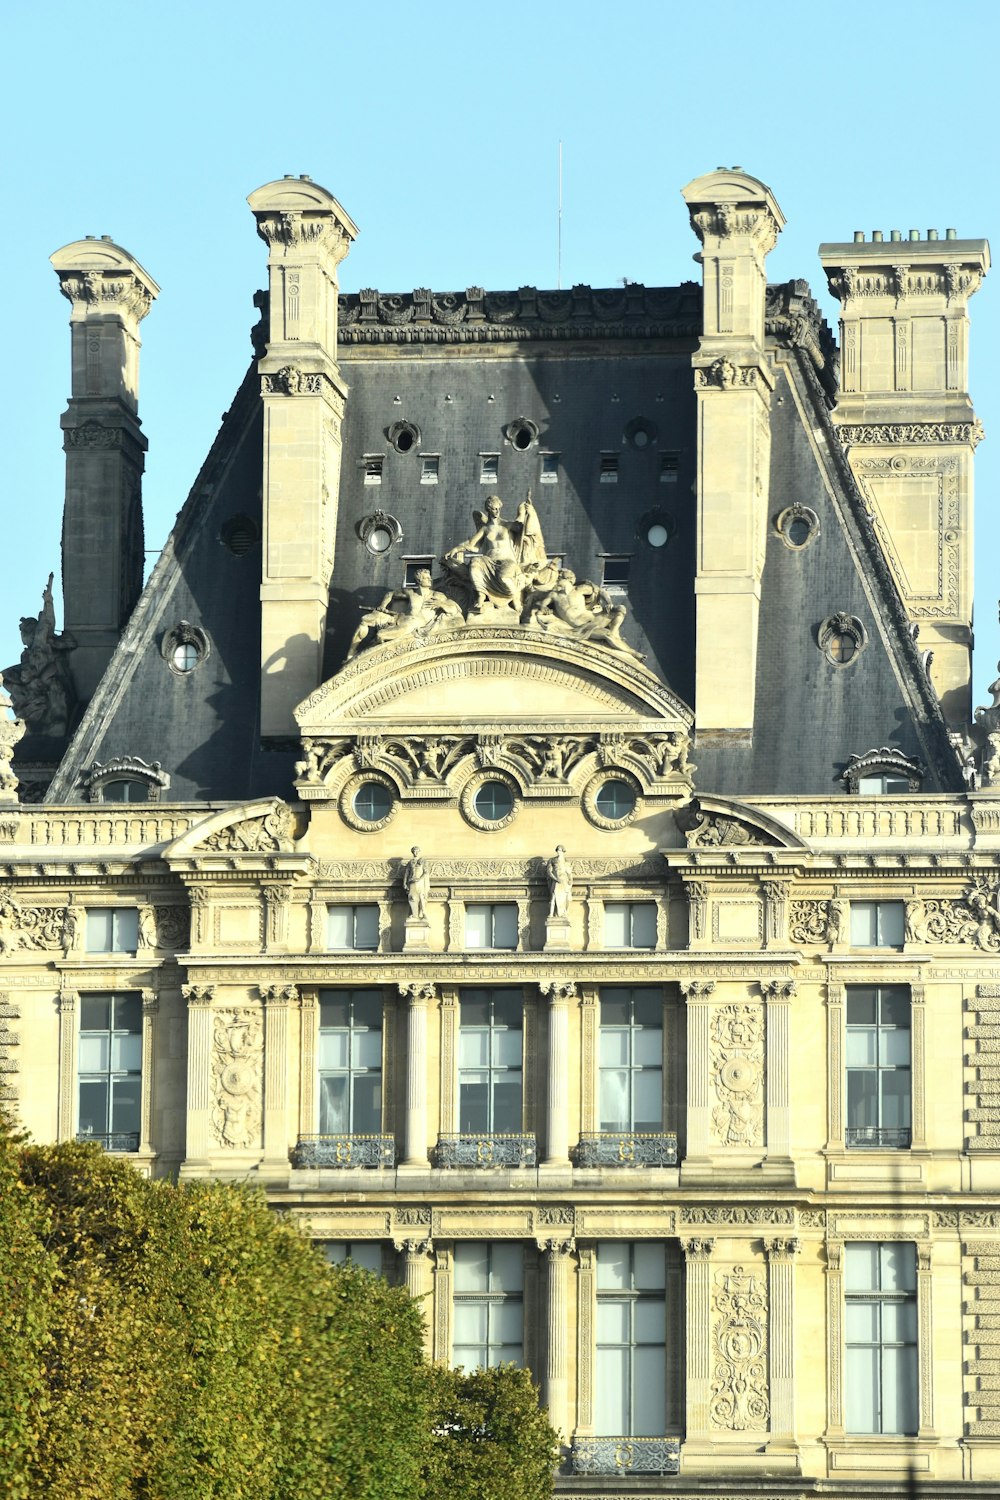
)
(580, 608)
(499, 562)
(419, 610)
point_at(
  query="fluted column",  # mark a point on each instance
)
(419, 997)
(777, 995)
(560, 993)
(698, 994)
(150, 1006)
(199, 1074)
(66, 1004)
(557, 1254)
(416, 1279)
(698, 1333)
(278, 1000)
(781, 1255)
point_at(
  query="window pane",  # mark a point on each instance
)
(895, 1048)
(368, 1256)
(647, 1008)
(95, 1053)
(333, 1105)
(508, 1009)
(862, 1390)
(95, 1012)
(899, 1390)
(366, 927)
(340, 927)
(643, 924)
(472, 1266)
(507, 1270)
(861, 1006)
(477, 926)
(126, 929)
(616, 924)
(100, 927)
(613, 1322)
(614, 1100)
(861, 1322)
(334, 1008)
(94, 1107)
(126, 1053)
(899, 1322)
(648, 1046)
(507, 1322)
(650, 1321)
(507, 1105)
(649, 1267)
(899, 1268)
(473, 1049)
(649, 1391)
(473, 1107)
(507, 1049)
(862, 1099)
(333, 1049)
(470, 1323)
(648, 1100)
(861, 1047)
(614, 1003)
(467, 1356)
(127, 1013)
(367, 1117)
(367, 1049)
(475, 1006)
(612, 1265)
(505, 926)
(861, 1268)
(894, 1007)
(890, 922)
(126, 1105)
(611, 1404)
(864, 928)
(614, 1048)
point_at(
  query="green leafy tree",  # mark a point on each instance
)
(490, 1438)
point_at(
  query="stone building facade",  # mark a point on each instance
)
(581, 907)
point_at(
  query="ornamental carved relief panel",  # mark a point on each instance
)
(739, 1400)
(737, 1061)
(237, 1064)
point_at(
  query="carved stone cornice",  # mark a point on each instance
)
(896, 434)
(107, 292)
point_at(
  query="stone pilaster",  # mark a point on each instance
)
(419, 998)
(417, 1280)
(560, 993)
(110, 294)
(698, 995)
(279, 1000)
(781, 1255)
(199, 1075)
(307, 234)
(557, 1260)
(777, 996)
(150, 1009)
(737, 220)
(67, 1005)
(698, 1336)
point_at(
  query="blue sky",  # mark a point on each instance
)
(437, 127)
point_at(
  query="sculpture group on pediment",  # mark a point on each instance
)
(12, 730)
(501, 574)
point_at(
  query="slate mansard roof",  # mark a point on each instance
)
(597, 374)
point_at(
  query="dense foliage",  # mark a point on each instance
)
(186, 1343)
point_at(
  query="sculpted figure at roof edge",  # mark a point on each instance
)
(501, 575)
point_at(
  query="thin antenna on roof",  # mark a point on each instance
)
(559, 230)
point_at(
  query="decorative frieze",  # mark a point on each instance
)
(269, 834)
(29, 927)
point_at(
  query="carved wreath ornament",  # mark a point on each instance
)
(738, 1075)
(739, 1399)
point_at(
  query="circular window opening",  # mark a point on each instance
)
(797, 526)
(372, 801)
(614, 800)
(657, 535)
(841, 647)
(240, 535)
(185, 657)
(640, 438)
(404, 441)
(379, 539)
(494, 801)
(798, 531)
(522, 438)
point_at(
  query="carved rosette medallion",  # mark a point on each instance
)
(739, 1400)
(738, 1075)
(237, 1060)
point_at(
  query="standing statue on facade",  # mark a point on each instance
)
(559, 873)
(40, 685)
(418, 610)
(417, 884)
(500, 561)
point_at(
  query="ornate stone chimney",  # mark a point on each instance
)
(110, 294)
(738, 222)
(906, 421)
(307, 234)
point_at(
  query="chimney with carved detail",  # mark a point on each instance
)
(905, 418)
(738, 221)
(110, 294)
(307, 234)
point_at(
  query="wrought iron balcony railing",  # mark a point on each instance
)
(115, 1140)
(344, 1151)
(625, 1455)
(879, 1137)
(485, 1151)
(627, 1149)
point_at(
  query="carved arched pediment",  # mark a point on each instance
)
(491, 675)
(719, 822)
(263, 827)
